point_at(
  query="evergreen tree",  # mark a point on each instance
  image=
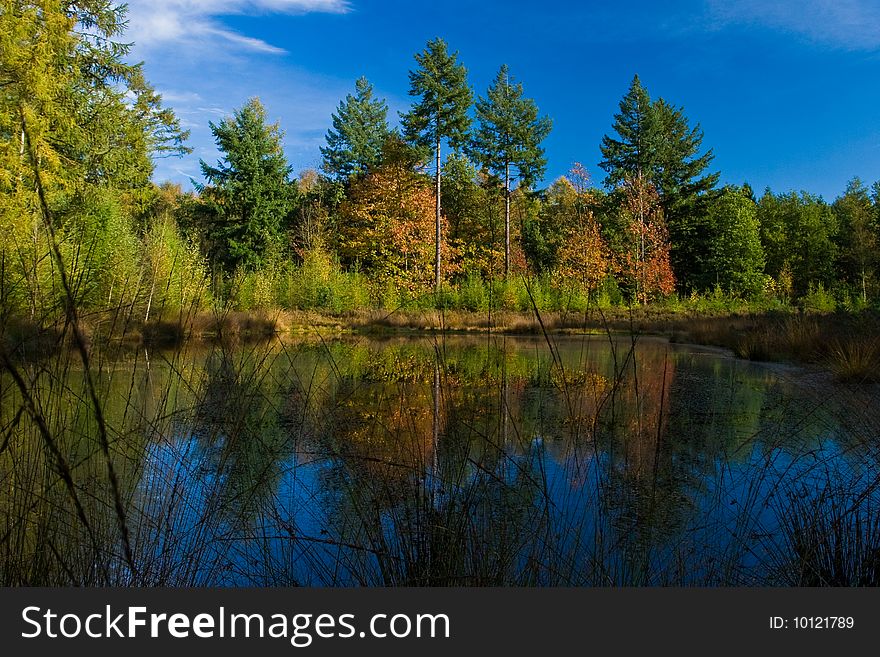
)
(684, 188)
(507, 141)
(678, 169)
(440, 84)
(360, 128)
(249, 194)
(655, 141)
(633, 153)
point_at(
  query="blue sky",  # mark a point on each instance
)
(786, 91)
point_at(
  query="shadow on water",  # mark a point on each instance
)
(444, 461)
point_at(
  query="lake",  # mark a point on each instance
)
(447, 460)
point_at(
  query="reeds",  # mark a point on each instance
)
(475, 460)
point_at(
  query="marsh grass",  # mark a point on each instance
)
(336, 462)
(856, 359)
(829, 538)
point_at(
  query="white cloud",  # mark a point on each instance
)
(155, 23)
(179, 96)
(846, 24)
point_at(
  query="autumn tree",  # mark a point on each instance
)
(643, 263)
(248, 195)
(440, 85)
(582, 254)
(507, 141)
(384, 220)
(360, 128)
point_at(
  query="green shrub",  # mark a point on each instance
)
(819, 300)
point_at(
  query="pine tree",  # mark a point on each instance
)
(249, 194)
(440, 84)
(360, 128)
(655, 141)
(507, 141)
(632, 155)
(678, 168)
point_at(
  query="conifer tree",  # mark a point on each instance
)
(507, 141)
(440, 85)
(656, 142)
(250, 194)
(632, 153)
(360, 128)
(78, 126)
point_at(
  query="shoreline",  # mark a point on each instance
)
(845, 343)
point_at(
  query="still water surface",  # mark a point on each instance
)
(476, 461)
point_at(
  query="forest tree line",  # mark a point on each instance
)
(444, 210)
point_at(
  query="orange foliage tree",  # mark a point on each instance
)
(472, 209)
(644, 261)
(582, 259)
(386, 223)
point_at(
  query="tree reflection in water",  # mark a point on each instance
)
(447, 461)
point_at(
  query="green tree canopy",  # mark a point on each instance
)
(797, 233)
(736, 257)
(857, 237)
(249, 195)
(78, 129)
(88, 115)
(441, 112)
(655, 141)
(470, 208)
(507, 142)
(360, 128)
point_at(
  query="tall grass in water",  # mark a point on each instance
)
(445, 461)
(829, 537)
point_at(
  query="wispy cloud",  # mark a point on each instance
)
(844, 24)
(195, 23)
